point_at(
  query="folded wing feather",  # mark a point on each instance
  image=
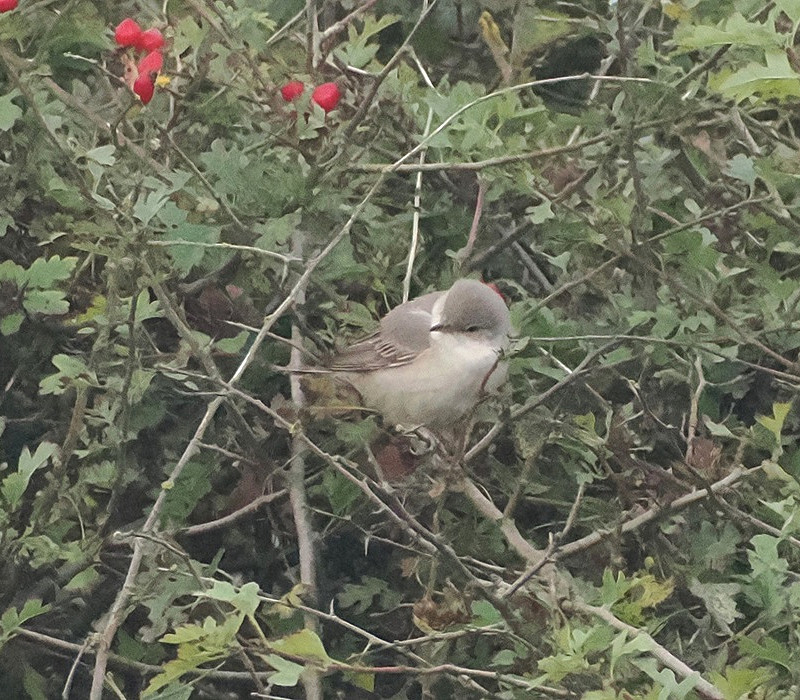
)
(404, 333)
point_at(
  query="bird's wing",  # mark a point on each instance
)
(404, 333)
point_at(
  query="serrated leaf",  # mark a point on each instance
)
(104, 155)
(15, 484)
(45, 301)
(184, 254)
(719, 599)
(43, 273)
(735, 30)
(768, 650)
(245, 599)
(776, 79)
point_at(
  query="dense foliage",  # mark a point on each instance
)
(180, 519)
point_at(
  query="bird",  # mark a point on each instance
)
(432, 358)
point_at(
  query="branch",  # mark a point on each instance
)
(464, 253)
(311, 679)
(118, 610)
(482, 164)
(654, 513)
(231, 518)
(343, 23)
(662, 654)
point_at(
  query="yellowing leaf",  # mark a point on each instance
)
(305, 645)
(674, 10)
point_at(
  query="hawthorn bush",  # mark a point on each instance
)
(182, 519)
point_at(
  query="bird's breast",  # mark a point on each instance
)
(439, 387)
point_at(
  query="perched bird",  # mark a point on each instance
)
(432, 358)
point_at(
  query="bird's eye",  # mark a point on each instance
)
(472, 328)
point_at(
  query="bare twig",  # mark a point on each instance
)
(487, 439)
(363, 108)
(691, 429)
(306, 546)
(463, 255)
(662, 654)
(478, 165)
(224, 521)
(490, 511)
(412, 249)
(343, 23)
(555, 540)
(118, 610)
(653, 513)
(313, 37)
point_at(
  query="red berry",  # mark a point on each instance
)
(151, 63)
(144, 86)
(151, 40)
(127, 32)
(327, 96)
(8, 5)
(291, 91)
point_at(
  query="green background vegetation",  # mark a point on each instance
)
(644, 226)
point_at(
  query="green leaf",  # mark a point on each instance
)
(185, 255)
(287, 673)
(12, 272)
(43, 273)
(11, 323)
(719, 599)
(622, 647)
(232, 346)
(83, 580)
(775, 422)
(45, 301)
(245, 599)
(541, 213)
(12, 620)
(776, 79)
(735, 30)
(193, 483)
(103, 155)
(742, 168)
(504, 657)
(485, 613)
(738, 683)
(357, 51)
(304, 644)
(9, 112)
(71, 372)
(791, 8)
(340, 492)
(361, 597)
(15, 485)
(6, 222)
(671, 689)
(769, 650)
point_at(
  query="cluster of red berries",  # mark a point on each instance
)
(149, 42)
(326, 95)
(8, 5)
